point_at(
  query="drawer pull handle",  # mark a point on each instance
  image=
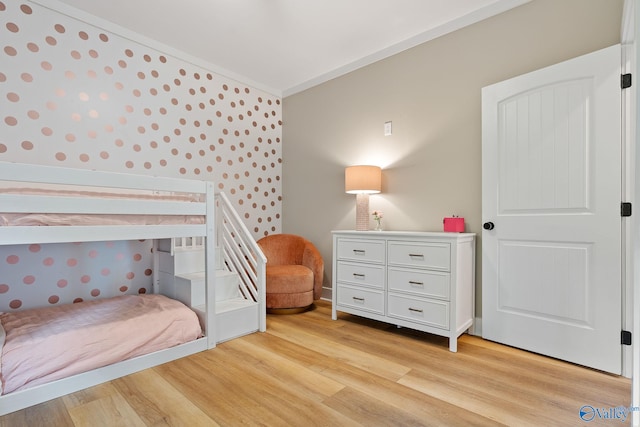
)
(412, 282)
(416, 256)
(359, 251)
(358, 299)
(358, 275)
(417, 310)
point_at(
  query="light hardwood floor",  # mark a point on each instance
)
(309, 370)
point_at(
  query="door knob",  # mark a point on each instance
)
(488, 225)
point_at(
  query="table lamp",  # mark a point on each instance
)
(362, 181)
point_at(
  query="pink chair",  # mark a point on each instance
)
(295, 272)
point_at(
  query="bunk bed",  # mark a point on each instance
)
(45, 204)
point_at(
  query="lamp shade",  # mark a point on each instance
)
(362, 179)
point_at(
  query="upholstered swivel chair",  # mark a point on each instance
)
(295, 270)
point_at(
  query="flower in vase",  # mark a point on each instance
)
(377, 217)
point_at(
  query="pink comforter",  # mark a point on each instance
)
(50, 343)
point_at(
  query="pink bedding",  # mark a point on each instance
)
(53, 219)
(58, 219)
(46, 344)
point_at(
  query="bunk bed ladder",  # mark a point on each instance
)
(240, 274)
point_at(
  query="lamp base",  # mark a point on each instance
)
(362, 212)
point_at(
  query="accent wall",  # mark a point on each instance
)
(76, 95)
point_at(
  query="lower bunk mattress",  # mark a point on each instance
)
(45, 344)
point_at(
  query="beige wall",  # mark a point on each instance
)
(432, 93)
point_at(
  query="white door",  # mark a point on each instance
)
(551, 189)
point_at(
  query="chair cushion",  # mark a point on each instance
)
(289, 279)
(289, 286)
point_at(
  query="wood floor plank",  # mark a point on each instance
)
(51, 414)
(209, 386)
(157, 403)
(526, 387)
(505, 405)
(236, 390)
(538, 373)
(299, 354)
(313, 385)
(432, 410)
(90, 394)
(297, 404)
(109, 411)
(366, 410)
(308, 369)
(343, 351)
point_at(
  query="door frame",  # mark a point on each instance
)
(630, 41)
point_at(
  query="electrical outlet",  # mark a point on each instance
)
(387, 128)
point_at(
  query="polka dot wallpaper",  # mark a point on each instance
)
(75, 95)
(37, 275)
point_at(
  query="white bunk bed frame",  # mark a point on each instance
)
(19, 235)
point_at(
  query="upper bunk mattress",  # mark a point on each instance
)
(53, 218)
(50, 343)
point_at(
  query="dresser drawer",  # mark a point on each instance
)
(428, 312)
(431, 284)
(363, 299)
(361, 250)
(435, 256)
(361, 274)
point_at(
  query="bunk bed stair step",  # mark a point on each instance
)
(235, 315)
(190, 287)
(234, 318)
(183, 261)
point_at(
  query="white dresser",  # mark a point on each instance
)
(418, 280)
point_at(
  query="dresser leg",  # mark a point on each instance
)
(453, 345)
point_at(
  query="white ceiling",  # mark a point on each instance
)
(285, 46)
